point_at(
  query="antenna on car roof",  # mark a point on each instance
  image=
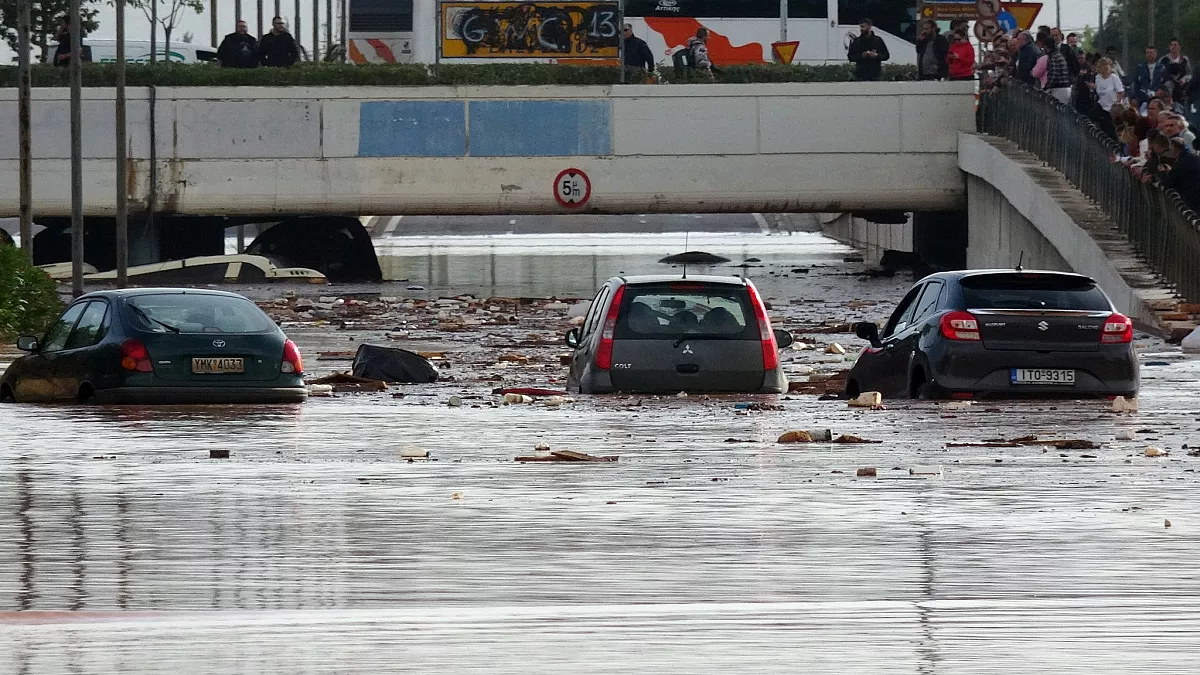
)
(1020, 260)
(687, 235)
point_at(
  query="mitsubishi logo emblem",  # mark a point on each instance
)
(218, 343)
(1043, 326)
(687, 349)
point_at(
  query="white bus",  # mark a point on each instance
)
(405, 31)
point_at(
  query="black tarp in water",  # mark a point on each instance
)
(393, 365)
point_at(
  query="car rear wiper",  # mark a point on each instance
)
(702, 336)
(142, 313)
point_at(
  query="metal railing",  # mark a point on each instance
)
(1163, 229)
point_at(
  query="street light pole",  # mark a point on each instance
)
(296, 28)
(24, 121)
(260, 26)
(122, 225)
(316, 31)
(213, 21)
(76, 151)
(783, 17)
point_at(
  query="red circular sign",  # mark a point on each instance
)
(572, 188)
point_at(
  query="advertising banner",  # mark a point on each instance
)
(535, 30)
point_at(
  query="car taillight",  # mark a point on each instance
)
(135, 357)
(960, 326)
(604, 353)
(291, 359)
(1118, 329)
(770, 351)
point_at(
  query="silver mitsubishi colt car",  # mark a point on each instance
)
(667, 334)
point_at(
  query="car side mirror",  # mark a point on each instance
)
(573, 338)
(868, 331)
(27, 343)
(783, 338)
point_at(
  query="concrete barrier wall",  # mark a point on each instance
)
(395, 151)
(1015, 207)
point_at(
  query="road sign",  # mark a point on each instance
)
(1024, 12)
(1007, 21)
(784, 52)
(572, 188)
(987, 30)
(945, 11)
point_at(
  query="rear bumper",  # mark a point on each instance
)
(200, 395)
(600, 382)
(1111, 370)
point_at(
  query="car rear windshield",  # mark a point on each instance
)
(1032, 291)
(188, 313)
(664, 311)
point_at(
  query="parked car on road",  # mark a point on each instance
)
(158, 345)
(667, 334)
(999, 332)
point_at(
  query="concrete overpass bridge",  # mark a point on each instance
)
(252, 151)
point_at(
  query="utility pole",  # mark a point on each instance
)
(316, 31)
(153, 31)
(213, 21)
(1153, 40)
(783, 17)
(76, 151)
(24, 122)
(122, 238)
(344, 39)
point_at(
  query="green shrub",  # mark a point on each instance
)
(28, 298)
(410, 75)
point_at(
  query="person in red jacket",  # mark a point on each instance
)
(961, 57)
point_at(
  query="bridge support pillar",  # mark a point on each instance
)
(940, 238)
(145, 242)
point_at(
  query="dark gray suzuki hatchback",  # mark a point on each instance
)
(999, 333)
(666, 334)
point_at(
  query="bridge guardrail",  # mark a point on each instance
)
(1155, 220)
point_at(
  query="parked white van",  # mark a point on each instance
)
(138, 51)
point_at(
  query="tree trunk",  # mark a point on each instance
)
(167, 43)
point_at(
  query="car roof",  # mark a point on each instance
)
(959, 275)
(667, 278)
(120, 293)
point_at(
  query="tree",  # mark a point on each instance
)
(168, 19)
(44, 16)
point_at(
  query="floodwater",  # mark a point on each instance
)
(316, 548)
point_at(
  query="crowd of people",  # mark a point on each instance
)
(1145, 114)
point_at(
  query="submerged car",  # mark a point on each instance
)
(158, 345)
(667, 334)
(985, 333)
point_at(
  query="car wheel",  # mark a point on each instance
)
(931, 392)
(6, 395)
(852, 389)
(86, 394)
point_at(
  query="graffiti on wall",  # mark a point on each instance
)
(577, 30)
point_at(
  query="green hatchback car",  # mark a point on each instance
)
(158, 345)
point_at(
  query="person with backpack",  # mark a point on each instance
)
(867, 52)
(239, 49)
(694, 56)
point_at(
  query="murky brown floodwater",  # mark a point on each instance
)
(316, 548)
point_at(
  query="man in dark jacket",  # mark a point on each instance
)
(932, 48)
(1068, 52)
(239, 49)
(277, 48)
(637, 53)
(1027, 56)
(867, 52)
(1184, 174)
(62, 54)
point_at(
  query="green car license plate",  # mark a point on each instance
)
(208, 365)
